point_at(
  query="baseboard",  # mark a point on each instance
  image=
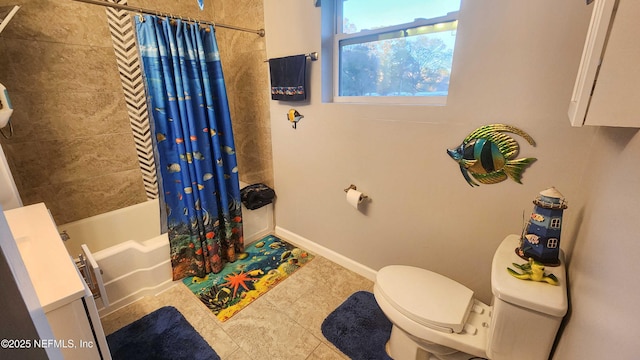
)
(327, 253)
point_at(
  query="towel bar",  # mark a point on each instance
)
(313, 56)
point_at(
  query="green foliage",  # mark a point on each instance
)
(401, 66)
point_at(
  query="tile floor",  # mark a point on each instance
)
(284, 323)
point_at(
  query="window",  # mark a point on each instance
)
(552, 243)
(555, 223)
(388, 48)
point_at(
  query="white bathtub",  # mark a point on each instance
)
(132, 253)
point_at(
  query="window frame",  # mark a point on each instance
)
(338, 36)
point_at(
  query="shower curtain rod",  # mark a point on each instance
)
(167, 15)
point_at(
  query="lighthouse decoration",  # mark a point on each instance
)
(541, 237)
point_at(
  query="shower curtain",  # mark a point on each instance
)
(194, 145)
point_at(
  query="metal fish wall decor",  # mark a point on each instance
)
(488, 154)
(294, 116)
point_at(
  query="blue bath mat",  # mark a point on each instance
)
(359, 328)
(163, 334)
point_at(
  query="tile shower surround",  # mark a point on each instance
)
(73, 147)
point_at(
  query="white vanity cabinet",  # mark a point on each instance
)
(607, 90)
(63, 294)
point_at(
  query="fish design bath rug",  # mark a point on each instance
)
(263, 265)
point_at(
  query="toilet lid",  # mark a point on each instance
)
(426, 297)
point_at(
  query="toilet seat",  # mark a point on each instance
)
(425, 297)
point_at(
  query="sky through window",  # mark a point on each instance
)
(370, 14)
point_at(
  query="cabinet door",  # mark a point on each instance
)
(615, 98)
(93, 276)
(594, 44)
(72, 331)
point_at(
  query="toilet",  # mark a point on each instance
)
(436, 318)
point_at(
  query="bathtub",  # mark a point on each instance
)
(133, 255)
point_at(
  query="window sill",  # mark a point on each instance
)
(392, 100)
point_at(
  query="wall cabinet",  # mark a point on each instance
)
(607, 89)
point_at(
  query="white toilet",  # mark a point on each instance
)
(435, 317)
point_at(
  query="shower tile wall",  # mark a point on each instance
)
(73, 147)
(247, 78)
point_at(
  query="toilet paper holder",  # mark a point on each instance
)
(353, 187)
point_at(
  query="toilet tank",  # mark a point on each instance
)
(526, 314)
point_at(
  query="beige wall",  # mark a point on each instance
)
(515, 62)
(603, 271)
(73, 147)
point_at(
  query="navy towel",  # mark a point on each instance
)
(288, 76)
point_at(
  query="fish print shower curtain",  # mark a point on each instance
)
(195, 153)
